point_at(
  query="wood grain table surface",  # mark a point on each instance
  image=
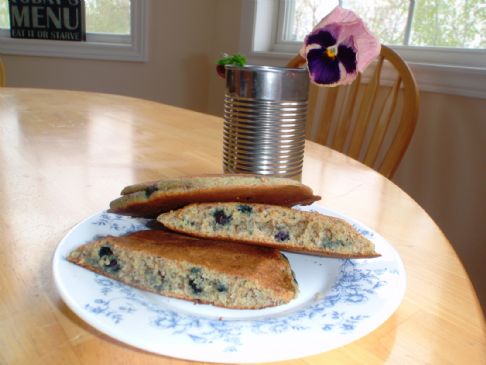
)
(64, 155)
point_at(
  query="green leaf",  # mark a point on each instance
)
(236, 59)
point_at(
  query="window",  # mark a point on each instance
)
(444, 41)
(120, 36)
(439, 23)
(117, 23)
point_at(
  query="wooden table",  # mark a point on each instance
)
(64, 155)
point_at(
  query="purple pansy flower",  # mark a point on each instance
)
(338, 48)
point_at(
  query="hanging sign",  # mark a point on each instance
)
(61, 20)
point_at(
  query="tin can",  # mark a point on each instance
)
(265, 110)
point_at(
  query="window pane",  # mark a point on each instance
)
(118, 21)
(449, 23)
(303, 15)
(386, 19)
(4, 19)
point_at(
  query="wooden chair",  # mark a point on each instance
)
(2, 74)
(372, 119)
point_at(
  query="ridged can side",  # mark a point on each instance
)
(265, 110)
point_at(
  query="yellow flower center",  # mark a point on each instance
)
(331, 52)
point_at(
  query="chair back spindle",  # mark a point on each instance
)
(372, 119)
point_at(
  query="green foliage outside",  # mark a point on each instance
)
(108, 16)
(456, 23)
(4, 22)
(387, 19)
(441, 23)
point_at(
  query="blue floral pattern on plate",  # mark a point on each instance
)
(360, 296)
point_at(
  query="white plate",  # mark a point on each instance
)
(339, 302)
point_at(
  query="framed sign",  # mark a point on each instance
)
(62, 20)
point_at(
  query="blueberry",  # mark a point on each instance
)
(108, 260)
(113, 265)
(221, 287)
(195, 288)
(245, 209)
(153, 224)
(105, 251)
(282, 235)
(221, 218)
(149, 190)
(332, 244)
(195, 279)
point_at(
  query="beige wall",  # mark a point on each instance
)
(180, 34)
(443, 170)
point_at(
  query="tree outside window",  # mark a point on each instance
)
(436, 23)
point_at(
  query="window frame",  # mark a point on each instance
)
(464, 73)
(98, 46)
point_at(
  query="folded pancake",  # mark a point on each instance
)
(150, 199)
(272, 226)
(224, 274)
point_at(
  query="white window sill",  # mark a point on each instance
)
(86, 50)
(446, 71)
